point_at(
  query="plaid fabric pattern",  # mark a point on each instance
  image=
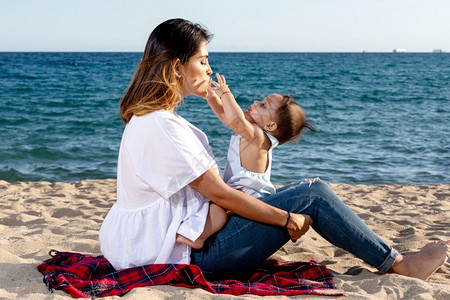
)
(86, 276)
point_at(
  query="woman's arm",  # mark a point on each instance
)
(211, 185)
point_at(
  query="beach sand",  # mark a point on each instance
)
(36, 217)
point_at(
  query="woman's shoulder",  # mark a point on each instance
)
(161, 125)
(151, 117)
(157, 120)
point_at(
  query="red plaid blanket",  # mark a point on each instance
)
(86, 276)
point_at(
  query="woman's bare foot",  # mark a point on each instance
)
(423, 248)
(197, 244)
(424, 263)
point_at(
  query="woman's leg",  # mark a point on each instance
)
(237, 249)
(337, 223)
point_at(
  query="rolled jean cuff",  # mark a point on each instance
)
(388, 262)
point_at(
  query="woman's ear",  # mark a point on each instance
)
(271, 127)
(177, 67)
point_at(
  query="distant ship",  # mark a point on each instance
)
(438, 51)
(399, 50)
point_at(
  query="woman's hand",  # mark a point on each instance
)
(298, 225)
(211, 95)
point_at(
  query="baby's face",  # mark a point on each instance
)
(264, 112)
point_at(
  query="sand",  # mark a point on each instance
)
(36, 217)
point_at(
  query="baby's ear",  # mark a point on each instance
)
(271, 127)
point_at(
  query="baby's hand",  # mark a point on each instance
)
(221, 86)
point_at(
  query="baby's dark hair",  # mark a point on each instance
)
(291, 121)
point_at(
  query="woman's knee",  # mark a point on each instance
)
(319, 190)
(301, 196)
(316, 185)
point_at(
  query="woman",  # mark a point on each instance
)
(167, 177)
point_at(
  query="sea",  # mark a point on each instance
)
(381, 118)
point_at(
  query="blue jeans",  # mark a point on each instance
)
(241, 245)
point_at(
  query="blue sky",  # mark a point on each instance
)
(237, 25)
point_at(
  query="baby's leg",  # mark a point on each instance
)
(215, 220)
(217, 217)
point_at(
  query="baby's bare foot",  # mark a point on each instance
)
(197, 244)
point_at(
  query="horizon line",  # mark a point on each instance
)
(114, 51)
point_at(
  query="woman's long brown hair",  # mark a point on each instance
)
(155, 85)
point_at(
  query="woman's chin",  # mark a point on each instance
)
(202, 94)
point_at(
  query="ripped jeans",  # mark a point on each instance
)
(241, 245)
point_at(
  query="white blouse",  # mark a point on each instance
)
(160, 154)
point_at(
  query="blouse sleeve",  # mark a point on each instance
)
(167, 154)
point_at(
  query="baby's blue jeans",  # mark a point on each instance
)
(241, 245)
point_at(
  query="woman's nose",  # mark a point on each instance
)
(209, 71)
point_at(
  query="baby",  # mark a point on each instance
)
(273, 121)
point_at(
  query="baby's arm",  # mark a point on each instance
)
(216, 105)
(231, 113)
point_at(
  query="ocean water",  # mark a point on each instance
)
(381, 118)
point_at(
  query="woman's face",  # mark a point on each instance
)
(195, 73)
